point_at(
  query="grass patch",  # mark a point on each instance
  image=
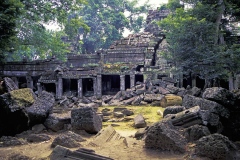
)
(148, 112)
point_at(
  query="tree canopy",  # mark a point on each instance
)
(33, 40)
(89, 25)
(107, 20)
(10, 10)
(201, 40)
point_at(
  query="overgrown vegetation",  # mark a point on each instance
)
(148, 112)
(201, 41)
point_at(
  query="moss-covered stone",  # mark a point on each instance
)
(23, 97)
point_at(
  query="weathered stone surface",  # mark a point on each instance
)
(35, 138)
(56, 122)
(191, 101)
(170, 100)
(69, 140)
(194, 91)
(10, 85)
(13, 117)
(153, 97)
(119, 109)
(140, 133)
(74, 136)
(6, 141)
(106, 99)
(196, 132)
(186, 118)
(162, 135)
(64, 141)
(41, 108)
(127, 112)
(219, 95)
(172, 89)
(126, 95)
(38, 128)
(163, 91)
(139, 121)
(173, 110)
(18, 156)
(128, 101)
(63, 153)
(216, 146)
(140, 91)
(118, 114)
(86, 119)
(106, 135)
(137, 100)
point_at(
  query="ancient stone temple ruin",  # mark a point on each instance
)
(128, 61)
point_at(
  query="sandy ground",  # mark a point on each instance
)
(133, 149)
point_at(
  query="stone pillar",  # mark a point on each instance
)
(237, 82)
(39, 87)
(15, 80)
(122, 82)
(59, 88)
(80, 88)
(193, 76)
(95, 86)
(132, 80)
(180, 80)
(99, 86)
(29, 82)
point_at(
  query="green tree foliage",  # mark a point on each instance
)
(200, 40)
(10, 10)
(107, 21)
(34, 40)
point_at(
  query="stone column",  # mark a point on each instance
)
(180, 79)
(15, 79)
(237, 82)
(99, 86)
(122, 82)
(94, 86)
(29, 82)
(132, 80)
(193, 76)
(59, 88)
(39, 87)
(80, 88)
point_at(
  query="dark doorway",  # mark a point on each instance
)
(139, 78)
(74, 87)
(200, 82)
(187, 80)
(22, 82)
(87, 84)
(110, 84)
(127, 81)
(224, 84)
(49, 87)
(35, 81)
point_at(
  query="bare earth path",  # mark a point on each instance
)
(134, 149)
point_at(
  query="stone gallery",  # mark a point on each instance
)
(128, 61)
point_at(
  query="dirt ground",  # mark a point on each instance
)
(131, 150)
(134, 149)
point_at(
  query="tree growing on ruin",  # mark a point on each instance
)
(200, 39)
(107, 20)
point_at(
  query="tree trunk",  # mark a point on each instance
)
(207, 84)
(218, 21)
(231, 82)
